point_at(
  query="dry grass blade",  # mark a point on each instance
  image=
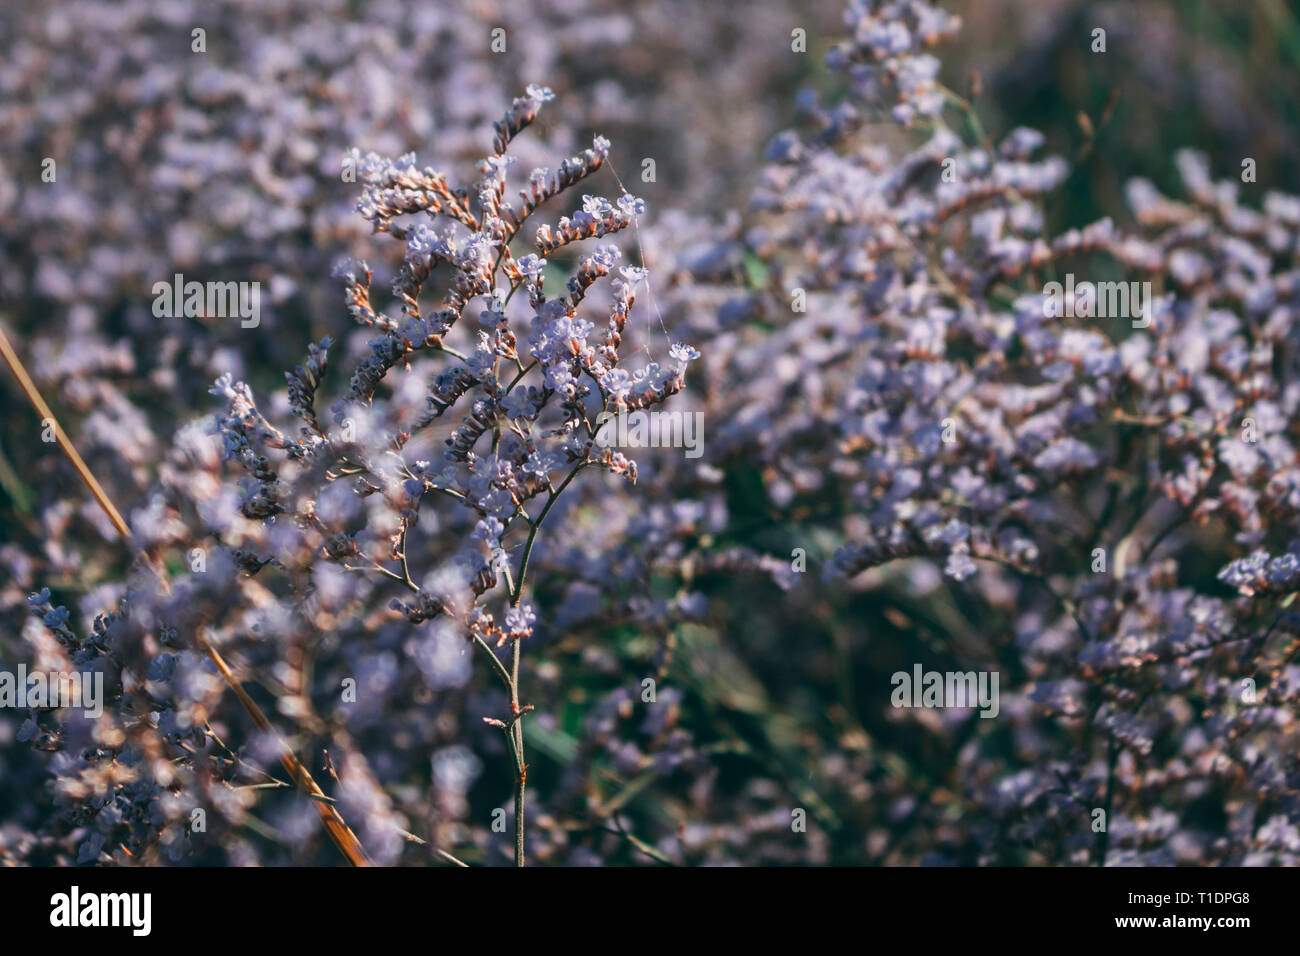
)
(332, 820)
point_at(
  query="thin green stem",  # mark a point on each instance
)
(532, 534)
(515, 730)
(517, 733)
(522, 373)
(454, 353)
(496, 661)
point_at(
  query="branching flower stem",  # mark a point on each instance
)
(514, 730)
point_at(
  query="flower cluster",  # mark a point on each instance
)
(917, 454)
(1078, 479)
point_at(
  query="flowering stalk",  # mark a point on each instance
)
(319, 481)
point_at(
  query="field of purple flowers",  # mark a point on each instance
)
(580, 433)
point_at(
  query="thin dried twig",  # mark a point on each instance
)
(332, 820)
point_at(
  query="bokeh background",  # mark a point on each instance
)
(227, 163)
